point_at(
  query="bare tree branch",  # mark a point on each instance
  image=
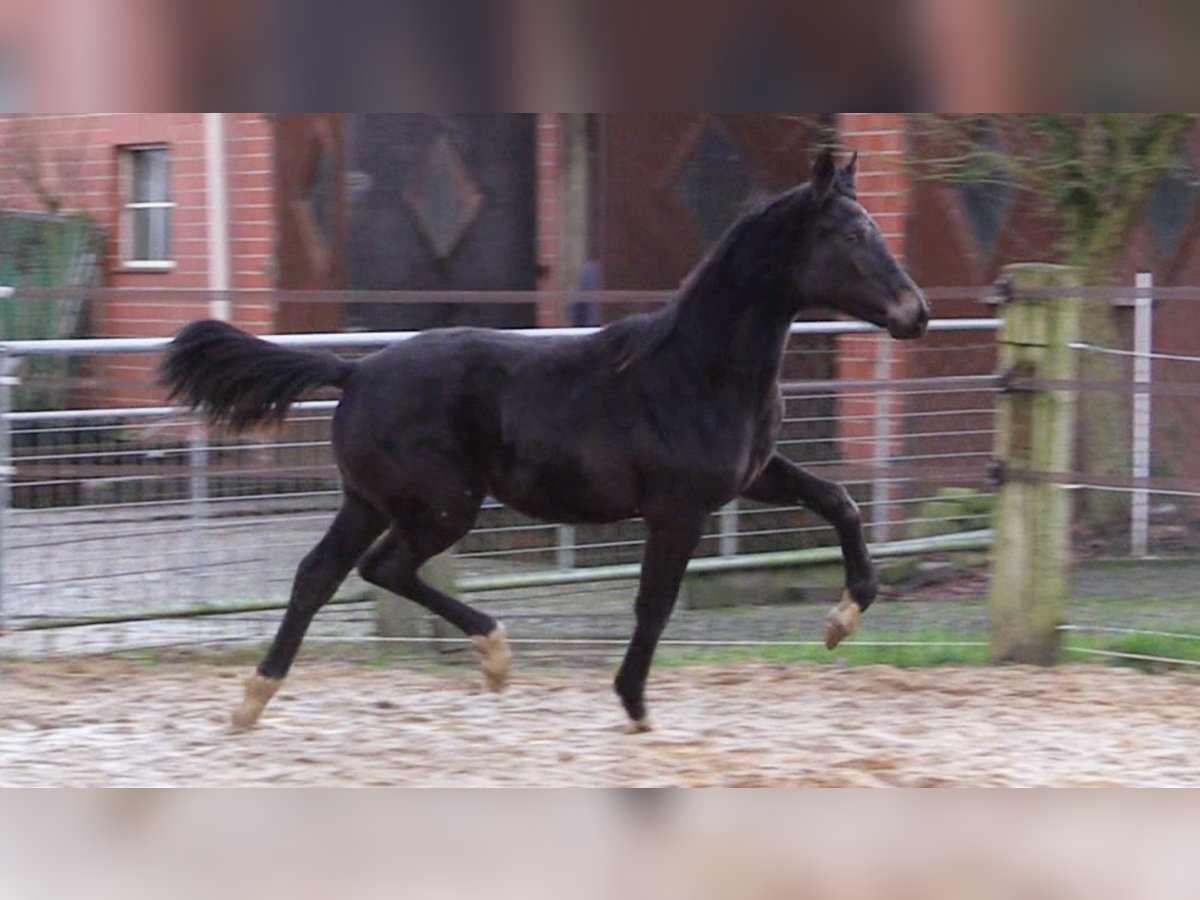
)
(1091, 173)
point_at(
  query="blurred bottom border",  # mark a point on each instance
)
(579, 844)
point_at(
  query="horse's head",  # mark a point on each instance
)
(846, 264)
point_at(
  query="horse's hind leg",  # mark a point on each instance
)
(392, 564)
(784, 482)
(317, 577)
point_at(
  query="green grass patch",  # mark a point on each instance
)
(1147, 652)
(910, 650)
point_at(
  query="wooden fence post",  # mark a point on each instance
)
(1035, 432)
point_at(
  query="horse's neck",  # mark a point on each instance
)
(734, 331)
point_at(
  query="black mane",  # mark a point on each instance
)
(752, 256)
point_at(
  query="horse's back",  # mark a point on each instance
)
(535, 421)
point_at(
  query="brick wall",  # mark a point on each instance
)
(79, 156)
(880, 139)
(250, 158)
(79, 162)
(549, 149)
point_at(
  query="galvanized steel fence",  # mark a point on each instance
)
(129, 524)
(125, 523)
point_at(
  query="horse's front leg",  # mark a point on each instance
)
(669, 546)
(784, 482)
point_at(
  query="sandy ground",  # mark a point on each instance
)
(111, 722)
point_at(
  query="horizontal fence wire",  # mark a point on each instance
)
(1079, 481)
(1125, 295)
(1132, 354)
(1148, 632)
(1139, 657)
(1131, 655)
(1094, 385)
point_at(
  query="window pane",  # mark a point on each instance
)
(160, 233)
(160, 176)
(150, 234)
(139, 220)
(139, 172)
(150, 170)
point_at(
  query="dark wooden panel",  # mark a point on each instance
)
(310, 209)
(442, 202)
(672, 182)
(656, 167)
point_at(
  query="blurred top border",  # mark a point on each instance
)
(617, 55)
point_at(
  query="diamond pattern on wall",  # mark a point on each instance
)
(443, 197)
(318, 195)
(987, 199)
(1172, 205)
(713, 182)
(315, 204)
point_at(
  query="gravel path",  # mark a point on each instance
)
(107, 723)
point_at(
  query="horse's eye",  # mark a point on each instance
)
(854, 236)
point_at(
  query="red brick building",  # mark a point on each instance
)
(108, 165)
(84, 161)
(229, 228)
(229, 214)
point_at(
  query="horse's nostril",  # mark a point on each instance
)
(915, 305)
(910, 316)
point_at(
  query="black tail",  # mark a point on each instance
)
(239, 380)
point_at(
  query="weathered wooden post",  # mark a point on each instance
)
(1035, 431)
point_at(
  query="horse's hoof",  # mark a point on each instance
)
(842, 621)
(496, 658)
(638, 726)
(259, 691)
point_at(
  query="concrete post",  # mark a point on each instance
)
(399, 617)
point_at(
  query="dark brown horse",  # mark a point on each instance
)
(667, 416)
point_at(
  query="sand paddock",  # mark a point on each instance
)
(113, 722)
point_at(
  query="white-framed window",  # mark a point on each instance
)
(146, 217)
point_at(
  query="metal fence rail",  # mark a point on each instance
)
(134, 511)
(124, 524)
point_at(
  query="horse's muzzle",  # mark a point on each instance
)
(909, 317)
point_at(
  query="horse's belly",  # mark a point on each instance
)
(564, 507)
(565, 492)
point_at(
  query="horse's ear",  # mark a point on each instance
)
(846, 178)
(823, 174)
